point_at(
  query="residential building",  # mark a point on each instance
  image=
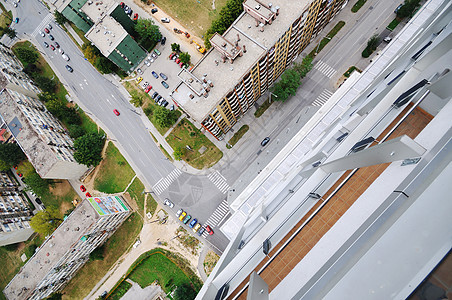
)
(42, 138)
(68, 248)
(356, 206)
(247, 59)
(15, 212)
(108, 27)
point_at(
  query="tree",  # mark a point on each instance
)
(36, 184)
(88, 149)
(184, 292)
(97, 254)
(373, 42)
(46, 221)
(10, 32)
(136, 100)
(44, 83)
(45, 97)
(175, 47)
(55, 107)
(164, 117)
(184, 57)
(305, 66)
(178, 153)
(76, 131)
(407, 9)
(70, 116)
(55, 296)
(287, 86)
(104, 65)
(27, 55)
(10, 155)
(90, 52)
(147, 30)
(60, 18)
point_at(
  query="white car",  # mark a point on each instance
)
(147, 63)
(168, 202)
(179, 212)
(137, 243)
(42, 34)
(65, 57)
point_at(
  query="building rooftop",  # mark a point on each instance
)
(96, 10)
(106, 34)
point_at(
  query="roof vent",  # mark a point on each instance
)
(270, 5)
(257, 6)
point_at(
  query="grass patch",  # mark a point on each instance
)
(210, 261)
(80, 33)
(136, 192)
(188, 240)
(184, 10)
(358, 5)
(87, 123)
(115, 172)
(151, 205)
(88, 276)
(166, 153)
(120, 291)
(350, 71)
(237, 135)
(10, 259)
(153, 137)
(327, 38)
(260, 111)
(393, 24)
(185, 133)
(6, 17)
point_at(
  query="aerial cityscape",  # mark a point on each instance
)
(225, 149)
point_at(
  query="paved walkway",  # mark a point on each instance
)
(73, 34)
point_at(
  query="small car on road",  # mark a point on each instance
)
(165, 20)
(135, 17)
(139, 71)
(46, 45)
(148, 88)
(65, 57)
(69, 68)
(157, 52)
(187, 218)
(116, 112)
(196, 228)
(193, 223)
(57, 45)
(168, 202)
(201, 230)
(38, 201)
(182, 215)
(155, 75)
(82, 188)
(179, 212)
(16, 20)
(265, 141)
(52, 47)
(154, 10)
(46, 30)
(50, 26)
(209, 230)
(163, 41)
(164, 77)
(42, 34)
(165, 85)
(88, 195)
(139, 79)
(51, 37)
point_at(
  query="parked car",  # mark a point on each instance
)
(57, 45)
(139, 79)
(88, 195)
(52, 47)
(165, 103)
(177, 60)
(265, 141)
(154, 10)
(135, 17)
(155, 75)
(38, 201)
(398, 8)
(69, 68)
(51, 37)
(165, 84)
(165, 20)
(129, 12)
(163, 76)
(193, 223)
(201, 231)
(182, 215)
(154, 95)
(122, 4)
(209, 230)
(147, 63)
(158, 98)
(46, 30)
(172, 55)
(139, 71)
(65, 57)
(137, 243)
(196, 228)
(179, 212)
(148, 88)
(168, 202)
(157, 52)
(181, 64)
(116, 112)
(50, 26)
(163, 41)
(17, 20)
(172, 107)
(387, 39)
(42, 34)
(46, 45)
(187, 218)
(82, 188)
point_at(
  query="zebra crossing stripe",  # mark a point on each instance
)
(219, 181)
(218, 215)
(42, 24)
(325, 69)
(165, 182)
(322, 98)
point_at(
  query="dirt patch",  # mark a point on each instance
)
(65, 207)
(60, 188)
(131, 202)
(210, 261)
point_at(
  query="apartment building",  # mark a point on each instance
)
(108, 27)
(356, 206)
(40, 135)
(247, 59)
(68, 248)
(15, 213)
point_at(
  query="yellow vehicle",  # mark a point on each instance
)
(199, 47)
(139, 79)
(182, 216)
(196, 228)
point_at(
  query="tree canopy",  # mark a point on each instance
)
(184, 57)
(147, 30)
(27, 55)
(10, 155)
(175, 47)
(60, 18)
(407, 9)
(164, 117)
(178, 153)
(88, 149)
(287, 86)
(46, 221)
(36, 184)
(104, 65)
(184, 292)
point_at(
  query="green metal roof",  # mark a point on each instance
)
(130, 49)
(80, 19)
(122, 18)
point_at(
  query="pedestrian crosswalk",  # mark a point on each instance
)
(41, 25)
(325, 69)
(165, 182)
(219, 181)
(322, 98)
(218, 216)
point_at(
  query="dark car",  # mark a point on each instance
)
(38, 201)
(201, 231)
(154, 95)
(57, 45)
(265, 141)
(157, 99)
(165, 103)
(122, 4)
(163, 41)
(193, 223)
(69, 68)
(51, 37)
(154, 10)
(155, 75)
(164, 77)
(52, 47)
(46, 45)
(165, 84)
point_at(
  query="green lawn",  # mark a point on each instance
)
(88, 276)
(6, 17)
(87, 123)
(185, 133)
(195, 16)
(260, 111)
(327, 38)
(151, 204)
(358, 5)
(136, 192)
(238, 135)
(115, 172)
(393, 24)
(120, 291)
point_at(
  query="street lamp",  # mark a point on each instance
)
(270, 97)
(316, 50)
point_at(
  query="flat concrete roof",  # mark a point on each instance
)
(106, 34)
(96, 10)
(225, 75)
(51, 251)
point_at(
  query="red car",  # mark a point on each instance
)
(135, 17)
(116, 112)
(46, 30)
(172, 55)
(181, 64)
(88, 195)
(209, 230)
(148, 88)
(177, 60)
(52, 47)
(82, 188)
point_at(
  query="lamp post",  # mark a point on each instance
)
(270, 97)
(316, 50)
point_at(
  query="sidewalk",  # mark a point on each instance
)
(73, 34)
